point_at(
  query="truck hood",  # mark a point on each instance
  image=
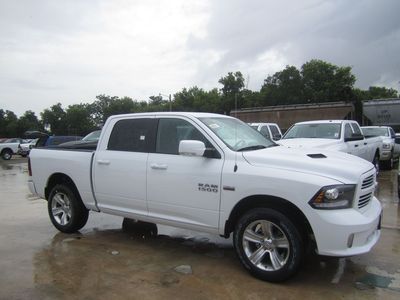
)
(330, 164)
(308, 143)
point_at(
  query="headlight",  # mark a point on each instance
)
(386, 146)
(334, 197)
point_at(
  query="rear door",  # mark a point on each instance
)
(183, 189)
(120, 165)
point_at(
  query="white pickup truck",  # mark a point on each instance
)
(214, 173)
(338, 135)
(9, 148)
(390, 149)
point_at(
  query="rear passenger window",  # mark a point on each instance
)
(135, 135)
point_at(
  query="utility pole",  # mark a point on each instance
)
(170, 103)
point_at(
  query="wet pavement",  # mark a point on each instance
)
(110, 259)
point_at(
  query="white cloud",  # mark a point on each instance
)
(71, 51)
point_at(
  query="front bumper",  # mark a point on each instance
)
(385, 155)
(347, 232)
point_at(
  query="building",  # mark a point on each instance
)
(286, 115)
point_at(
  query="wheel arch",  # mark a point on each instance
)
(283, 206)
(60, 178)
(7, 149)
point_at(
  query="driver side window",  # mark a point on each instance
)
(347, 131)
(172, 131)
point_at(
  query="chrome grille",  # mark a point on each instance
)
(368, 182)
(364, 200)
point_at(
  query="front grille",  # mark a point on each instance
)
(368, 182)
(364, 200)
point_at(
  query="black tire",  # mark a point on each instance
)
(388, 164)
(282, 244)
(376, 163)
(6, 154)
(66, 210)
(139, 228)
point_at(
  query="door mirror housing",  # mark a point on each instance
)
(191, 148)
(277, 137)
(354, 137)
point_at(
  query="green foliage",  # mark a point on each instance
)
(53, 118)
(232, 86)
(376, 92)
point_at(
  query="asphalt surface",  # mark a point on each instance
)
(109, 260)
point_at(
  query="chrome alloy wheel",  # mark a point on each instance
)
(61, 208)
(266, 245)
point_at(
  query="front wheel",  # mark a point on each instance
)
(66, 210)
(268, 244)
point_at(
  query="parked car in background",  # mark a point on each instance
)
(54, 140)
(269, 130)
(390, 150)
(26, 147)
(87, 142)
(338, 135)
(8, 148)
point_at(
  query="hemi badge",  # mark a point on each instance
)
(228, 188)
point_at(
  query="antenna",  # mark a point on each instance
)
(235, 167)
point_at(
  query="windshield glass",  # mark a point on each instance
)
(314, 131)
(375, 131)
(93, 136)
(236, 134)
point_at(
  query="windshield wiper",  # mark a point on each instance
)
(254, 147)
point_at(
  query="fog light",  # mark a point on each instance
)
(350, 240)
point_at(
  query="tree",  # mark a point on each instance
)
(284, 87)
(79, 120)
(324, 82)
(28, 121)
(54, 118)
(8, 124)
(232, 85)
(376, 92)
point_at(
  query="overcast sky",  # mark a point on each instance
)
(70, 51)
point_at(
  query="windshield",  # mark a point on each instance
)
(93, 136)
(314, 131)
(236, 134)
(375, 131)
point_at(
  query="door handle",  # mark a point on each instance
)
(103, 162)
(356, 146)
(158, 166)
(365, 143)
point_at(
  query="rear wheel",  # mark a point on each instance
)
(66, 210)
(268, 244)
(6, 154)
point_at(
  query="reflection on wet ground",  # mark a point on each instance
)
(116, 258)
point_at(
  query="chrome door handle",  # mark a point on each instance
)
(103, 162)
(158, 166)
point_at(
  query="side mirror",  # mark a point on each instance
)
(354, 137)
(277, 137)
(191, 148)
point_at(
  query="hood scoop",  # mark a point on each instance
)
(317, 155)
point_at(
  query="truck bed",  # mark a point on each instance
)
(75, 163)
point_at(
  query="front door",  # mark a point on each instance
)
(183, 189)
